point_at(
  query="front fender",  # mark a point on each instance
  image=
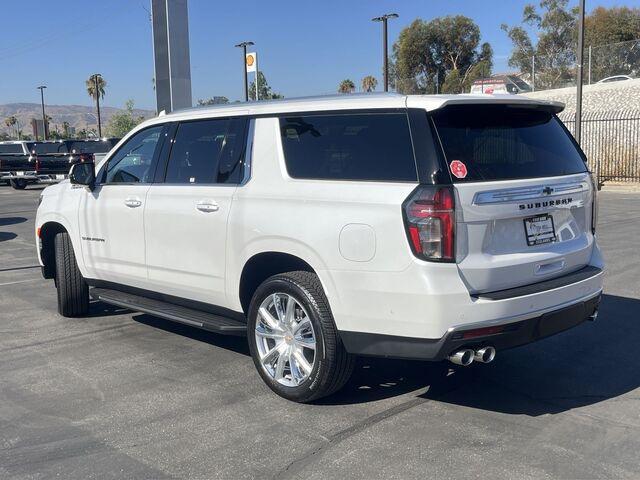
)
(62, 210)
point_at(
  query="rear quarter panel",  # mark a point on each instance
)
(335, 226)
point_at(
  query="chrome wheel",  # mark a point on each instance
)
(285, 339)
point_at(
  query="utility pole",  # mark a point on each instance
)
(385, 50)
(533, 73)
(97, 91)
(44, 118)
(244, 46)
(589, 65)
(578, 129)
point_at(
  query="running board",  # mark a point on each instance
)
(170, 311)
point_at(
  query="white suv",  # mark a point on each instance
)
(423, 227)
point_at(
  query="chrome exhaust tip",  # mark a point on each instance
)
(462, 357)
(485, 355)
(593, 316)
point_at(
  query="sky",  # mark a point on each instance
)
(304, 47)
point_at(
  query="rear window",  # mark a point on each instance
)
(11, 148)
(502, 142)
(53, 147)
(90, 146)
(360, 146)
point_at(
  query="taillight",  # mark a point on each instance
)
(86, 157)
(429, 215)
(594, 204)
(37, 164)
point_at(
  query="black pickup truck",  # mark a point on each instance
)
(17, 164)
(46, 162)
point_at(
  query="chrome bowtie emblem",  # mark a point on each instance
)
(547, 190)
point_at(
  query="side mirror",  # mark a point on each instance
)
(83, 173)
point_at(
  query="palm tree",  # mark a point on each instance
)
(65, 129)
(346, 86)
(91, 86)
(96, 85)
(11, 122)
(369, 83)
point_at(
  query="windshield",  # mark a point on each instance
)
(502, 142)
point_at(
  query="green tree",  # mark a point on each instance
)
(346, 86)
(218, 100)
(264, 90)
(445, 51)
(122, 122)
(369, 83)
(4, 136)
(613, 35)
(554, 24)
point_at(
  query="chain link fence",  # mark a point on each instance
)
(600, 62)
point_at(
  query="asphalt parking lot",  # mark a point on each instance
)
(127, 395)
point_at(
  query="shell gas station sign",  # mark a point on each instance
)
(251, 61)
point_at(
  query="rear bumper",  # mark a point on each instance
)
(501, 336)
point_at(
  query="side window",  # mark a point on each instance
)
(207, 151)
(133, 161)
(358, 146)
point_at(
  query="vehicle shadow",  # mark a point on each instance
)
(591, 363)
(236, 344)
(585, 365)
(4, 236)
(11, 221)
(594, 362)
(100, 309)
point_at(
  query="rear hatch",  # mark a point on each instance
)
(523, 194)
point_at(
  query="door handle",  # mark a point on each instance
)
(207, 206)
(132, 202)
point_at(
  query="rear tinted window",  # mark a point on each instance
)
(11, 148)
(501, 142)
(375, 146)
(53, 147)
(90, 146)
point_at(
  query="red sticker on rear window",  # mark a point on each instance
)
(458, 169)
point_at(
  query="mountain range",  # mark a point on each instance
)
(78, 116)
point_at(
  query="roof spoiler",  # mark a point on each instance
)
(553, 107)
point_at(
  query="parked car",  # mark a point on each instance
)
(615, 78)
(500, 84)
(421, 227)
(49, 161)
(17, 164)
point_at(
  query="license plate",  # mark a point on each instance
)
(20, 174)
(59, 177)
(539, 230)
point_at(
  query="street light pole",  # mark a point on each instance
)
(578, 128)
(244, 46)
(385, 49)
(44, 118)
(95, 85)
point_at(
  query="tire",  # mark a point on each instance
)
(331, 366)
(19, 184)
(73, 291)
